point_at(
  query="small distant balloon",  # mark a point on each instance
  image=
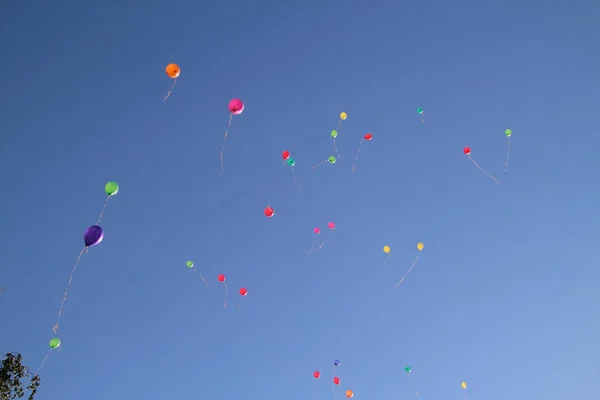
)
(236, 107)
(508, 133)
(366, 137)
(467, 150)
(54, 343)
(331, 160)
(336, 380)
(93, 236)
(221, 278)
(387, 249)
(291, 162)
(463, 385)
(285, 155)
(317, 374)
(349, 394)
(407, 369)
(334, 133)
(243, 292)
(173, 72)
(343, 116)
(420, 246)
(331, 225)
(111, 188)
(317, 231)
(336, 363)
(190, 264)
(269, 212)
(422, 114)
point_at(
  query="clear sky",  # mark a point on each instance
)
(504, 296)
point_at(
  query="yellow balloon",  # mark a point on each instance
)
(420, 246)
(343, 116)
(387, 249)
(463, 385)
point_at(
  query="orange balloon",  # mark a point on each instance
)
(173, 70)
(349, 393)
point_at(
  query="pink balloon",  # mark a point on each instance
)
(331, 225)
(236, 106)
(317, 230)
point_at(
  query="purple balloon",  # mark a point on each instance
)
(93, 235)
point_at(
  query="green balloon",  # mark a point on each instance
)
(111, 188)
(407, 369)
(189, 264)
(54, 343)
(508, 132)
(291, 162)
(334, 133)
(331, 160)
(420, 110)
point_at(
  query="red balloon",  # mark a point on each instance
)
(467, 150)
(243, 291)
(368, 136)
(221, 278)
(285, 154)
(336, 380)
(317, 374)
(269, 212)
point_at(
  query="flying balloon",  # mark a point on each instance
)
(467, 152)
(221, 278)
(368, 138)
(290, 162)
(336, 380)
(317, 244)
(330, 160)
(421, 114)
(331, 226)
(317, 374)
(243, 292)
(508, 133)
(93, 236)
(463, 385)
(285, 155)
(387, 250)
(420, 246)
(236, 107)
(269, 212)
(173, 72)
(53, 344)
(190, 265)
(349, 394)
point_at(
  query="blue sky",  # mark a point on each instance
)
(504, 295)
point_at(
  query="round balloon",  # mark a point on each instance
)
(334, 133)
(349, 394)
(172, 71)
(285, 154)
(336, 380)
(336, 363)
(189, 264)
(317, 374)
(407, 369)
(508, 132)
(243, 291)
(269, 212)
(111, 188)
(221, 278)
(420, 246)
(387, 249)
(463, 385)
(467, 150)
(420, 110)
(331, 225)
(236, 106)
(343, 116)
(368, 136)
(317, 231)
(93, 235)
(331, 160)
(54, 343)
(291, 162)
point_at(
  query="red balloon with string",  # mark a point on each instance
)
(285, 154)
(221, 278)
(367, 137)
(269, 212)
(467, 152)
(317, 374)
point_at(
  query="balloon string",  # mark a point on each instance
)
(201, 277)
(387, 258)
(335, 149)
(170, 91)
(55, 328)
(357, 153)
(414, 386)
(423, 117)
(408, 272)
(481, 169)
(295, 180)
(507, 155)
(226, 295)
(43, 361)
(319, 247)
(321, 163)
(102, 212)
(223, 145)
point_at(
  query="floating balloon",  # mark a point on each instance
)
(317, 244)
(334, 134)
(291, 163)
(190, 264)
(236, 107)
(173, 72)
(467, 152)
(422, 114)
(336, 363)
(336, 380)
(269, 212)
(463, 385)
(387, 250)
(508, 133)
(92, 237)
(343, 116)
(420, 247)
(317, 374)
(367, 137)
(285, 155)
(317, 230)
(349, 394)
(331, 226)
(330, 160)
(407, 369)
(243, 292)
(54, 343)
(221, 278)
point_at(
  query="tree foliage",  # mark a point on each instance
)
(13, 375)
